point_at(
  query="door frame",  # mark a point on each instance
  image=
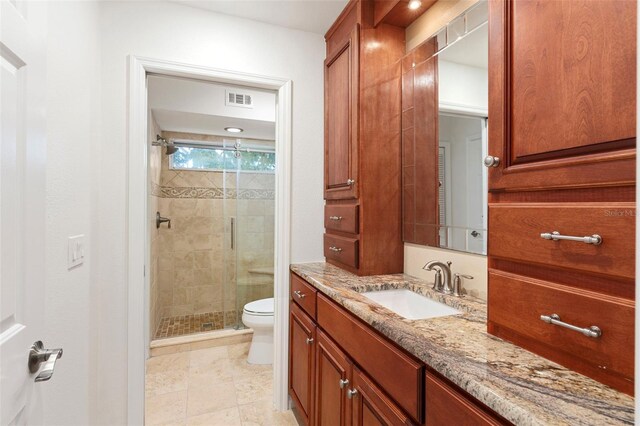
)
(137, 226)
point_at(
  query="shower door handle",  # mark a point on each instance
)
(233, 233)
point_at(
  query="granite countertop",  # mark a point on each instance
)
(524, 388)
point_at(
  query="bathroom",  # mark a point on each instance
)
(225, 212)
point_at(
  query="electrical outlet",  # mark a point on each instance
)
(76, 251)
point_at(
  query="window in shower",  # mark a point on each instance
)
(256, 156)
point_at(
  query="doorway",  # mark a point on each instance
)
(212, 171)
(139, 252)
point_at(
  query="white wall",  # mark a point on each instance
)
(463, 86)
(73, 116)
(182, 34)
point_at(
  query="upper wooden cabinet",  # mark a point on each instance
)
(341, 120)
(562, 94)
(362, 142)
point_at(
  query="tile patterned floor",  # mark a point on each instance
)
(214, 387)
(196, 323)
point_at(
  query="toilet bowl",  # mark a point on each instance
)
(258, 315)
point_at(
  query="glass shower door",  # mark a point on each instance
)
(231, 245)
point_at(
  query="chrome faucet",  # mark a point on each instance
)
(444, 269)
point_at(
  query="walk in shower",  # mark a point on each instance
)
(217, 252)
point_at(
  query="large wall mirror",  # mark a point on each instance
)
(445, 110)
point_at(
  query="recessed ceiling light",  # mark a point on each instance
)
(234, 129)
(414, 4)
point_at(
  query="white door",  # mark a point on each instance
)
(22, 205)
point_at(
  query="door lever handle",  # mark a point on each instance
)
(39, 355)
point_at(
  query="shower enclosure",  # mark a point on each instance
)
(218, 254)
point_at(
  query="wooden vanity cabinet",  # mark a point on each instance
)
(362, 142)
(349, 374)
(322, 374)
(562, 102)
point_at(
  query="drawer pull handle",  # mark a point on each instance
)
(595, 239)
(343, 383)
(335, 217)
(554, 319)
(299, 294)
(309, 340)
(351, 393)
(335, 249)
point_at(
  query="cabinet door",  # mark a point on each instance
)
(371, 407)
(302, 334)
(333, 378)
(562, 93)
(447, 406)
(341, 121)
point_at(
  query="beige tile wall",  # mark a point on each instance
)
(197, 268)
(155, 164)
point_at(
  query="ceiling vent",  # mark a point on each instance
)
(235, 98)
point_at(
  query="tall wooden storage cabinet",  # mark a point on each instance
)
(362, 185)
(562, 164)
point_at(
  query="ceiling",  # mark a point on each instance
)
(204, 124)
(308, 15)
(472, 50)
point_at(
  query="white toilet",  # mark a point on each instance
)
(258, 315)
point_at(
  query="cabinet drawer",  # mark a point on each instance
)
(341, 249)
(516, 234)
(341, 217)
(397, 373)
(304, 294)
(517, 303)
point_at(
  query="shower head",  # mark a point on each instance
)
(160, 141)
(171, 148)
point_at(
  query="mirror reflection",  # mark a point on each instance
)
(445, 109)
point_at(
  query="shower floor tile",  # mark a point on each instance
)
(190, 324)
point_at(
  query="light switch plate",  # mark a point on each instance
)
(76, 251)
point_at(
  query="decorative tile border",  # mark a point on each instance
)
(156, 190)
(216, 193)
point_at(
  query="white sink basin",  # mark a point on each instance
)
(410, 305)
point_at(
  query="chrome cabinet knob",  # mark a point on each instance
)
(351, 393)
(343, 383)
(491, 161)
(350, 182)
(309, 340)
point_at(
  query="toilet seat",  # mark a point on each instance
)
(262, 307)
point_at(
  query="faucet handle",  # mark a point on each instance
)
(457, 284)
